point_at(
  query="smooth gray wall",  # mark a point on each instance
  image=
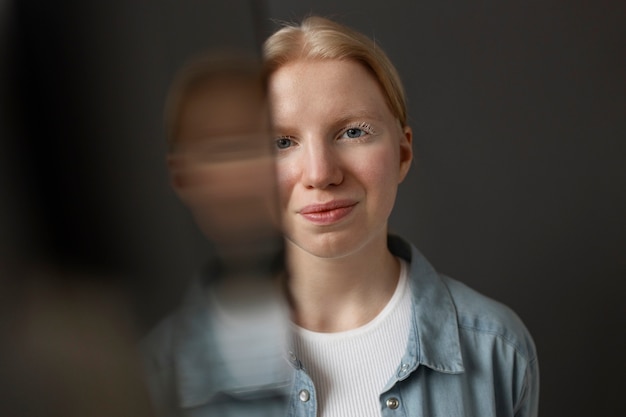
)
(517, 189)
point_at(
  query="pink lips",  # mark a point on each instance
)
(327, 213)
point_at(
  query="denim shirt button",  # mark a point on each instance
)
(393, 403)
(293, 359)
(304, 395)
(404, 369)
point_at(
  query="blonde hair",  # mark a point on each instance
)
(320, 38)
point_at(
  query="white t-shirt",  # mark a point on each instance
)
(350, 368)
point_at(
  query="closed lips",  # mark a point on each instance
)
(320, 208)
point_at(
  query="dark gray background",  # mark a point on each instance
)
(518, 109)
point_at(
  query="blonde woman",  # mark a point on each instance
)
(377, 331)
(374, 329)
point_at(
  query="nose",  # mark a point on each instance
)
(321, 167)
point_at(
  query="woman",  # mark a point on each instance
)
(375, 330)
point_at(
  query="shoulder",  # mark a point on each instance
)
(158, 343)
(478, 314)
(456, 310)
(161, 342)
(492, 337)
(157, 351)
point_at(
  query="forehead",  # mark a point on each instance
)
(332, 87)
(221, 106)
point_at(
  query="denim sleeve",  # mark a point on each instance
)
(158, 368)
(528, 403)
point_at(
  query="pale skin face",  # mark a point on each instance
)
(340, 157)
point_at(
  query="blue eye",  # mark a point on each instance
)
(283, 143)
(354, 133)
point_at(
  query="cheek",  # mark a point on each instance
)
(235, 196)
(286, 177)
(230, 182)
(379, 166)
(379, 174)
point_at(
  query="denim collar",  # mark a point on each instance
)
(434, 335)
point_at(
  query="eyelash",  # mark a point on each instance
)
(364, 127)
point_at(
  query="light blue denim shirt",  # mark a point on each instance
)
(467, 355)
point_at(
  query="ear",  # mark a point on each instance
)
(406, 152)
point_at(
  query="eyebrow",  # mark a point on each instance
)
(350, 117)
(358, 114)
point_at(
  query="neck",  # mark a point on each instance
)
(337, 294)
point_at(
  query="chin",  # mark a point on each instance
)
(329, 245)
